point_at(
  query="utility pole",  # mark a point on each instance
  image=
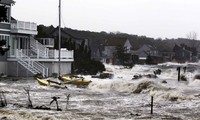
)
(59, 36)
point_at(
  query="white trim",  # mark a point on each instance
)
(5, 30)
(5, 34)
(43, 60)
(5, 22)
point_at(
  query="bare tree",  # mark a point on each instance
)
(27, 91)
(68, 96)
(193, 37)
(3, 101)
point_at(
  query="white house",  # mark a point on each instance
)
(28, 56)
(110, 48)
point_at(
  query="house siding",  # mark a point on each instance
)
(15, 69)
(3, 66)
(53, 67)
(3, 58)
(5, 26)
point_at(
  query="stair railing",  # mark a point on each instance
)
(30, 64)
(39, 49)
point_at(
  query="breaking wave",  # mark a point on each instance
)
(141, 86)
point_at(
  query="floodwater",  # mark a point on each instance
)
(118, 98)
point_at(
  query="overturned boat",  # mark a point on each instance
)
(74, 80)
(50, 83)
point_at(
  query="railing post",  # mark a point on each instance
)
(21, 53)
(73, 54)
(47, 72)
(48, 53)
(45, 51)
(55, 54)
(16, 53)
(38, 53)
(36, 43)
(24, 27)
(43, 72)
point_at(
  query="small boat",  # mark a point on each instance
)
(74, 80)
(42, 82)
(50, 83)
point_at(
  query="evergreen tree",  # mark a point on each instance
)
(3, 14)
(122, 55)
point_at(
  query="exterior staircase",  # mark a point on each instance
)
(39, 49)
(31, 65)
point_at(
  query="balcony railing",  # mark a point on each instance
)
(64, 54)
(24, 25)
(52, 54)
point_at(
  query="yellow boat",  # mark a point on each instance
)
(50, 83)
(42, 82)
(75, 80)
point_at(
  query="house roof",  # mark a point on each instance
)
(116, 41)
(6, 2)
(146, 46)
(55, 31)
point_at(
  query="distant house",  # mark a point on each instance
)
(144, 52)
(65, 36)
(109, 48)
(183, 53)
(167, 55)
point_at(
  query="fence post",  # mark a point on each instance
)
(178, 69)
(38, 53)
(151, 104)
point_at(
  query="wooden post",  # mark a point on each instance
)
(151, 104)
(178, 69)
(184, 69)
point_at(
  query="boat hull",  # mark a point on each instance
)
(50, 84)
(75, 80)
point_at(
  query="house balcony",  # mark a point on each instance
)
(22, 27)
(51, 55)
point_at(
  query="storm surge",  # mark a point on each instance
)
(119, 97)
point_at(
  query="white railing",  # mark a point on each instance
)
(64, 54)
(24, 25)
(28, 63)
(43, 52)
(39, 49)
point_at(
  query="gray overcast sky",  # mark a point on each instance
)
(152, 18)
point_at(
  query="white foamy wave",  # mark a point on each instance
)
(2, 84)
(118, 85)
(24, 115)
(145, 86)
(170, 95)
(194, 83)
(141, 86)
(9, 90)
